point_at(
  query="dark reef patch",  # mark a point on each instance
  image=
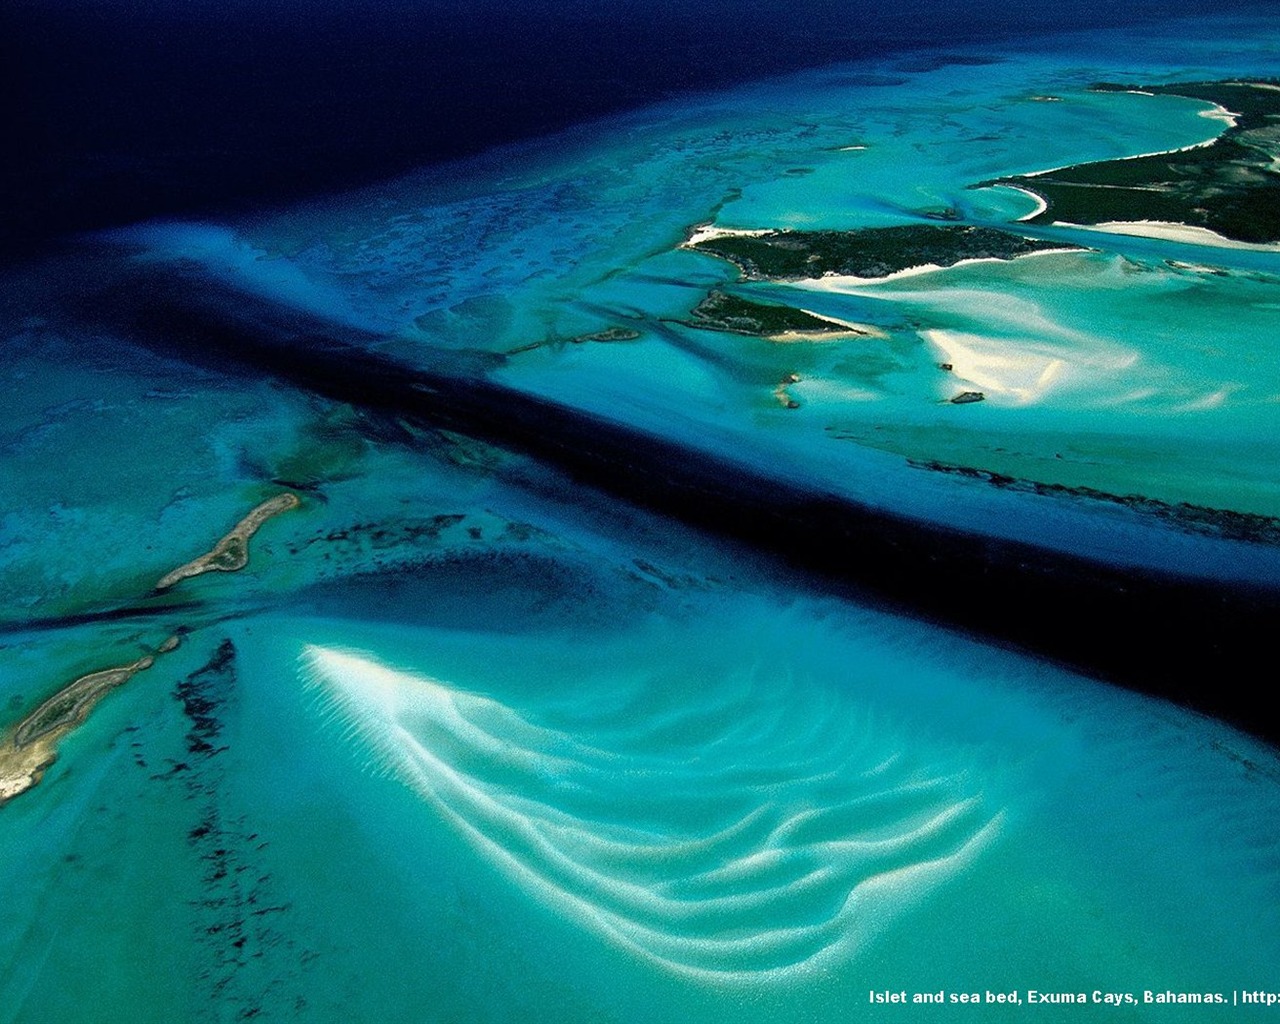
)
(1217, 522)
(236, 916)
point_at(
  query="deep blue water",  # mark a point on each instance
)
(124, 111)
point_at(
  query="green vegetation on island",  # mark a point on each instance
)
(720, 311)
(1229, 186)
(863, 252)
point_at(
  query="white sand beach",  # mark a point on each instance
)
(1171, 231)
(852, 330)
(1041, 205)
(710, 232)
(847, 282)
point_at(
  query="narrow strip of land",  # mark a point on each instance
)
(232, 551)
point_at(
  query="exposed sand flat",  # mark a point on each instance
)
(800, 337)
(232, 551)
(853, 327)
(1221, 113)
(1024, 374)
(710, 232)
(22, 767)
(1171, 231)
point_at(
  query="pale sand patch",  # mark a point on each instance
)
(1220, 113)
(710, 232)
(1213, 400)
(797, 337)
(1171, 231)
(998, 366)
(1041, 205)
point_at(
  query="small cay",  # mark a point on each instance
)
(232, 552)
(864, 252)
(720, 311)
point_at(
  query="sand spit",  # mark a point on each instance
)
(710, 232)
(852, 330)
(1041, 203)
(1171, 231)
(232, 552)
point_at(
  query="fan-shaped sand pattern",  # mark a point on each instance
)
(756, 845)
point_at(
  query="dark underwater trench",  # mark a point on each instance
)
(1192, 640)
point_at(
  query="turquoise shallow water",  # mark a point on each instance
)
(1136, 368)
(464, 742)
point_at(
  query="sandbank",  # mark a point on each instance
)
(996, 367)
(710, 232)
(1171, 231)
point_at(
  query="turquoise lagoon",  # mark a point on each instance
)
(467, 741)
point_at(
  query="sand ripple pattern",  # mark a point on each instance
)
(747, 835)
